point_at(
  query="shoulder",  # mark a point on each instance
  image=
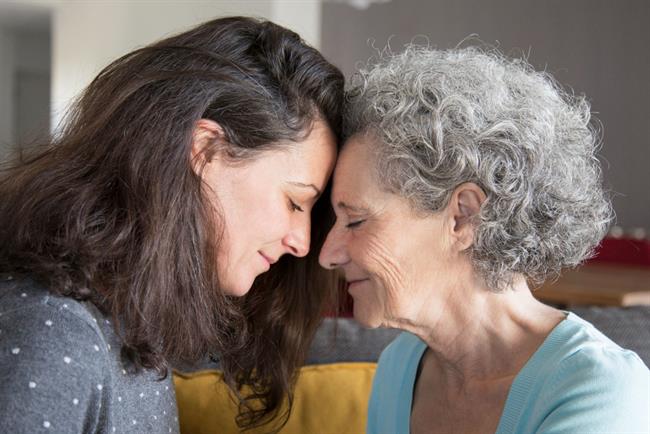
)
(53, 361)
(593, 383)
(33, 312)
(40, 331)
(598, 366)
(575, 341)
(586, 349)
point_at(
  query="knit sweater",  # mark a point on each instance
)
(61, 370)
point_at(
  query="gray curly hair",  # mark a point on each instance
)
(445, 117)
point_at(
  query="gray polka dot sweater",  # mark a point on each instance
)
(60, 370)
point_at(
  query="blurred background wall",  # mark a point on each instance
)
(49, 51)
(597, 47)
(25, 70)
(84, 36)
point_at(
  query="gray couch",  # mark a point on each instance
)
(344, 340)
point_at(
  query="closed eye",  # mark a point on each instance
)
(355, 224)
(295, 207)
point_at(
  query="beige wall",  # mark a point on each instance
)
(88, 35)
(598, 47)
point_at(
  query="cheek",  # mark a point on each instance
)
(257, 221)
(380, 257)
(239, 240)
(386, 274)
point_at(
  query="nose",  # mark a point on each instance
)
(334, 252)
(298, 238)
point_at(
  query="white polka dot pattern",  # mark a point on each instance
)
(68, 333)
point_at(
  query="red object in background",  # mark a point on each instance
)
(628, 251)
(346, 305)
(345, 302)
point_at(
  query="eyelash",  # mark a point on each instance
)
(295, 207)
(354, 225)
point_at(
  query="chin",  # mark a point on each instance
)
(238, 288)
(365, 318)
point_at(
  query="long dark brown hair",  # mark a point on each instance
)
(112, 212)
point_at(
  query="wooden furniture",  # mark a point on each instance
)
(600, 284)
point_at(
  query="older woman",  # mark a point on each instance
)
(465, 178)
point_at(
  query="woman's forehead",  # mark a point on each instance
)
(356, 186)
(352, 167)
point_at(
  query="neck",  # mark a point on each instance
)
(481, 336)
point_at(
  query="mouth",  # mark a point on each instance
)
(355, 282)
(270, 261)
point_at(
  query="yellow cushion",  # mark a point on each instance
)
(329, 399)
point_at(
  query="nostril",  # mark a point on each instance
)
(298, 250)
(296, 244)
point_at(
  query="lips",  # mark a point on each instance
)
(353, 282)
(269, 260)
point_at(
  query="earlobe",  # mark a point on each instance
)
(205, 135)
(465, 205)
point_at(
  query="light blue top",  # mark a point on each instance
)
(578, 381)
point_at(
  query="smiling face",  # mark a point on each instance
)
(265, 205)
(398, 263)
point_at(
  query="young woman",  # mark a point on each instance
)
(170, 220)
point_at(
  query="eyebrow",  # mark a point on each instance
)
(352, 208)
(303, 185)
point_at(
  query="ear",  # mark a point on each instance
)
(465, 204)
(205, 134)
